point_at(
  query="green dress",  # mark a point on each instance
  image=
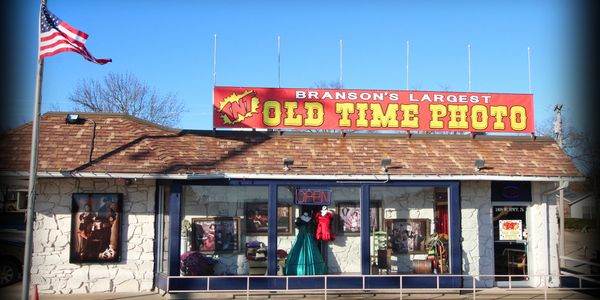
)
(305, 257)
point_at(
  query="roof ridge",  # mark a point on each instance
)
(110, 114)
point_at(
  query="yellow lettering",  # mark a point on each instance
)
(291, 118)
(518, 118)
(274, 108)
(344, 110)
(476, 123)
(458, 117)
(498, 112)
(389, 119)
(362, 115)
(314, 114)
(437, 111)
(410, 115)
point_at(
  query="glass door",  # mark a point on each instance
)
(510, 242)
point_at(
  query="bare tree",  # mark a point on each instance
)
(323, 84)
(125, 93)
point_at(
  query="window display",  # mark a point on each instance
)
(213, 235)
(349, 217)
(408, 231)
(256, 215)
(305, 257)
(415, 235)
(222, 221)
(338, 250)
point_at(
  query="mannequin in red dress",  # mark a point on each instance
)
(323, 219)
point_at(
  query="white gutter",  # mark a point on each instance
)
(346, 177)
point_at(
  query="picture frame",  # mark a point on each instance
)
(256, 220)
(408, 236)
(216, 235)
(348, 217)
(96, 220)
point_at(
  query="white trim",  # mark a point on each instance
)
(376, 177)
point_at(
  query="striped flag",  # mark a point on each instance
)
(57, 36)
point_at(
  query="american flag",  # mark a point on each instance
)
(57, 36)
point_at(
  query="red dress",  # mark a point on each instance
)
(323, 223)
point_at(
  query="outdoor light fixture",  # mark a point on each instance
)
(287, 163)
(479, 164)
(385, 163)
(73, 119)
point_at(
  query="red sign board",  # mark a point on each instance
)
(297, 108)
(313, 197)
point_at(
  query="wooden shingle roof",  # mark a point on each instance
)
(115, 143)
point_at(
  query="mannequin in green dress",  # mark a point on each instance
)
(305, 257)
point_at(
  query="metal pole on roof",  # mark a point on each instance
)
(341, 70)
(215, 62)
(469, 63)
(407, 55)
(278, 61)
(33, 168)
(529, 67)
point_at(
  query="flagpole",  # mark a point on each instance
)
(33, 169)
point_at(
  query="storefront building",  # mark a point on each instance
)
(127, 205)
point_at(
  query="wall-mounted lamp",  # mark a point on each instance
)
(287, 162)
(385, 163)
(479, 164)
(73, 119)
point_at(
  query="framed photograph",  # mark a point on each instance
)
(349, 217)
(96, 228)
(257, 221)
(216, 235)
(408, 236)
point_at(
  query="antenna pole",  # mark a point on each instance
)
(341, 68)
(278, 61)
(469, 59)
(407, 56)
(215, 62)
(529, 67)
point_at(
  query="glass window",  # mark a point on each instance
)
(163, 228)
(224, 230)
(414, 234)
(331, 234)
(15, 201)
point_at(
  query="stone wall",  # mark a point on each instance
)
(477, 231)
(51, 269)
(478, 239)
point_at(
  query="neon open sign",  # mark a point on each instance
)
(313, 197)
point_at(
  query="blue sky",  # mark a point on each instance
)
(169, 45)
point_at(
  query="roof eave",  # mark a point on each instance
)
(337, 177)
